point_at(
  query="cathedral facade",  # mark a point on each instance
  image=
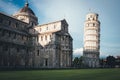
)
(25, 44)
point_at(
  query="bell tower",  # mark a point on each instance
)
(91, 40)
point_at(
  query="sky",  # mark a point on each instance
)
(75, 11)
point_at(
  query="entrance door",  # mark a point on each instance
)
(46, 62)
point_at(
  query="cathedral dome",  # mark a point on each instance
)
(26, 14)
(26, 9)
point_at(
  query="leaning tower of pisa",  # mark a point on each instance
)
(91, 40)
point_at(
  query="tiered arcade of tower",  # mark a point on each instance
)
(91, 40)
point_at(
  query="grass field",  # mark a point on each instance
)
(77, 74)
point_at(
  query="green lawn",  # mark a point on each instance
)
(78, 74)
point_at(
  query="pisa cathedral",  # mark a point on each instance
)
(25, 44)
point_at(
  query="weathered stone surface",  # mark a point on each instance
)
(24, 43)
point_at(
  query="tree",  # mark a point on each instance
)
(101, 62)
(110, 61)
(78, 62)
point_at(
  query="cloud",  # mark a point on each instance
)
(59, 9)
(8, 7)
(110, 49)
(103, 54)
(78, 52)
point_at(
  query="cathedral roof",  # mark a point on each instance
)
(26, 9)
(63, 20)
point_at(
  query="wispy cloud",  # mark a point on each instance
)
(111, 45)
(59, 9)
(103, 54)
(110, 49)
(78, 52)
(8, 7)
